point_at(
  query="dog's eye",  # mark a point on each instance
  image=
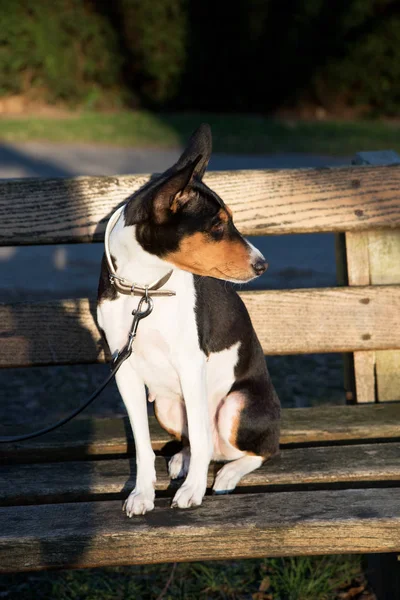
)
(217, 230)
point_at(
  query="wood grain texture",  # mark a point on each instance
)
(325, 320)
(263, 202)
(87, 438)
(239, 526)
(364, 368)
(363, 362)
(357, 258)
(384, 264)
(388, 375)
(73, 481)
(373, 257)
(286, 322)
(342, 280)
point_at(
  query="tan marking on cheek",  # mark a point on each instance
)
(202, 256)
(228, 210)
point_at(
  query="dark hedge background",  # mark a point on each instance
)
(241, 55)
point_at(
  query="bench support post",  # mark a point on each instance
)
(383, 574)
(372, 258)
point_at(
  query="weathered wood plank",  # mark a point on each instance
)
(363, 362)
(95, 479)
(340, 423)
(357, 258)
(287, 322)
(238, 526)
(263, 202)
(384, 262)
(342, 279)
(107, 437)
(324, 320)
(373, 257)
(387, 368)
(53, 332)
(364, 367)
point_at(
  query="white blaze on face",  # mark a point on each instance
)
(255, 255)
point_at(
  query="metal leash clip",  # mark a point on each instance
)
(138, 315)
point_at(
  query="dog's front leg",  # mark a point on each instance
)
(133, 393)
(193, 383)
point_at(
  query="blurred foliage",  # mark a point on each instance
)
(369, 71)
(154, 35)
(61, 49)
(248, 55)
(268, 54)
(363, 66)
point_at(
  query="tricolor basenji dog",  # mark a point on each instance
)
(197, 353)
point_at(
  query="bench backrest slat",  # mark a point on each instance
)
(49, 211)
(287, 322)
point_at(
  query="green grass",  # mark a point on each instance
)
(232, 133)
(317, 578)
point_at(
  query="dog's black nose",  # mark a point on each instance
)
(260, 267)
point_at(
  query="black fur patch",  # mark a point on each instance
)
(222, 320)
(106, 290)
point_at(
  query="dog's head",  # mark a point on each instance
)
(182, 221)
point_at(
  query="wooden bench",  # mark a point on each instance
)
(335, 487)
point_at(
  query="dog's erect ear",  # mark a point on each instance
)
(164, 193)
(171, 194)
(200, 144)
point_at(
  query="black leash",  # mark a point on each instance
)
(121, 357)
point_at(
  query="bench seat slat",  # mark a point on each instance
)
(263, 202)
(238, 526)
(85, 438)
(287, 322)
(86, 480)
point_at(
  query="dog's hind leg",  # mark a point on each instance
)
(248, 429)
(178, 466)
(171, 414)
(229, 476)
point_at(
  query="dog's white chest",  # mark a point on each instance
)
(162, 337)
(154, 359)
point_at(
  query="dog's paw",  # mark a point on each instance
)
(178, 466)
(189, 495)
(139, 503)
(227, 479)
